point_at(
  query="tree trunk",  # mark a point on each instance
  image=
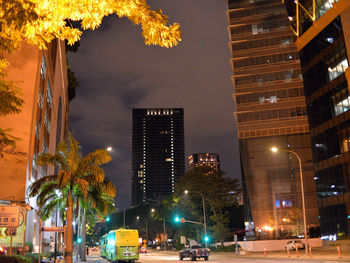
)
(78, 245)
(83, 237)
(68, 258)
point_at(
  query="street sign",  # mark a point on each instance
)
(11, 232)
(52, 229)
(9, 216)
(182, 220)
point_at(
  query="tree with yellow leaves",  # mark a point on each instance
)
(38, 22)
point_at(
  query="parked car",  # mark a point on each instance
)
(193, 252)
(143, 250)
(293, 244)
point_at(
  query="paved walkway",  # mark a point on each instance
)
(321, 254)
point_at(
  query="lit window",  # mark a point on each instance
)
(342, 106)
(47, 122)
(338, 69)
(40, 99)
(37, 130)
(48, 95)
(43, 67)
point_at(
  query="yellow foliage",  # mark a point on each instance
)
(41, 21)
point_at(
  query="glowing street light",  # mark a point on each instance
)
(109, 149)
(153, 210)
(275, 150)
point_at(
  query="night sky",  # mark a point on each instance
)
(117, 72)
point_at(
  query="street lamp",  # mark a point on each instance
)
(204, 217)
(109, 149)
(275, 150)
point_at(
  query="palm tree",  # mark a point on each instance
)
(98, 203)
(75, 171)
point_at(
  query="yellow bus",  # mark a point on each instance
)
(122, 245)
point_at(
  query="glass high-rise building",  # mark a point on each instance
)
(323, 40)
(158, 153)
(270, 111)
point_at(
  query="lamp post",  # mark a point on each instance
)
(274, 149)
(204, 217)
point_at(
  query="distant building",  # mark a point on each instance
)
(158, 153)
(204, 159)
(270, 111)
(324, 47)
(42, 123)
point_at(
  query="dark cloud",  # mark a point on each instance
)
(118, 72)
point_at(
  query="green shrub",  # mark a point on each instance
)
(23, 259)
(34, 257)
(16, 259)
(7, 259)
(343, 236)
(30, 245)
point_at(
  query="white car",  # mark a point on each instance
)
(293, 244)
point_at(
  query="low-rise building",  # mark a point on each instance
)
(41, 124)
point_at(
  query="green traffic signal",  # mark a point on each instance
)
(177, 219)
(206, 238)
(79, 240)
(108, 219)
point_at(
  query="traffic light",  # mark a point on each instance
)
(206, 238)
(79, 240)
(108, 219)
(177, 219)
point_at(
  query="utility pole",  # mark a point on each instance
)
(124, 219)
(56, 234)
(164, 233)
(146, 231)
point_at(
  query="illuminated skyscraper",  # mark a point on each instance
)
(158, 153)
(323, 40)
(270, 111)
(204, 159)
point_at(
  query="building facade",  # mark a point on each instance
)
(323, 40)
(158, 153)
(204, 159)
(42, 122)
(270, 111)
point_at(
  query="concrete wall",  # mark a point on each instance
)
(274, 245)
(344, 244)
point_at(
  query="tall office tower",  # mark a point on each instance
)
(270, 111)
(204, 159)
(158, 153)
(324, 46)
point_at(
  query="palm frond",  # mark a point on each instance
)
(47, 190)
(94, 174)
(98, 157)
(47, 209)
(35, 187)
(83, 186)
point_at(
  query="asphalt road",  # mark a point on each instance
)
(172, 258)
